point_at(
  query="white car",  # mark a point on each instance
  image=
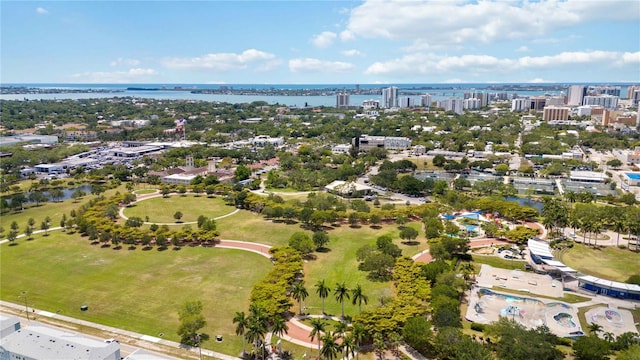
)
(109, 341)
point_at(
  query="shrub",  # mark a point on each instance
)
(477, 327)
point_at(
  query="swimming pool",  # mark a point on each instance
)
(633, 176)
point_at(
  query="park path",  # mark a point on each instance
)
(425, 257)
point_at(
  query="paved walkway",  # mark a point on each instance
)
(425, 257)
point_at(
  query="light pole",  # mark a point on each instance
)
(26, 304)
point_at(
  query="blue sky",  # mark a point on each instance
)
(316, 42)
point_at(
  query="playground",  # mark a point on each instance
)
(487, 306)
(615, 321)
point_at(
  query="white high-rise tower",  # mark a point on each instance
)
(390, 97)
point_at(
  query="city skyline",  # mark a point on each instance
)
(320, 42)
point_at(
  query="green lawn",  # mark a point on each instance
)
(161, 210)
(135, 290)
(145, 191)
(498, 262)
(249, 226)
(340, 265)
(608, 262)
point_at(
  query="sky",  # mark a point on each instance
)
(319, 41)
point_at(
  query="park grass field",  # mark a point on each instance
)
(249, 226)
(161, 210)
(609, 262)
(132, 289)
(340, 265)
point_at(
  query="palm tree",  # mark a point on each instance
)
(618, 227)
(467, 270)
(379, 345)
(609, 337)
(258, 325)
(341, 292)
(596, 229)
(330, 346)
(358, 297)
(394, 340)
(299, 293)
(279, 327)
(359, 334)
(323, 291)
(595, 328)
(317, 327)
(585, 226)
(347, 346)
(242, 323)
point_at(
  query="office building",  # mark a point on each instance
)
(604, 90)
(551, 113)
(366, 143)
(537, 103)
(606, 101)
(390, 97)
(342, 100)
(633, 94)
(555, 101)
(576, 94)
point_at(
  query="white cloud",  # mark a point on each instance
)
(324, 39)
(41, 10)
(261, 60)
(351, 52)
(431, 64)
(539, 80)
(456, 22)
(347, 35)
(523, 48)
(132, 75)
(125, 62)
(316, 65)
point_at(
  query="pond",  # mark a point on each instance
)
(525, 202)
(66, 193)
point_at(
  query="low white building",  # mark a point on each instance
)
(264, 140)
(40, 342)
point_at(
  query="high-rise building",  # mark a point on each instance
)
(576, 94)
(521, 104)
(406, 102)
(606, 101)
(425, 100)
(342, 100)
(471, 103)
(390, 97)
(483, 97)
(604, 90)
(633, 94)
(555, 113)
(452, 104)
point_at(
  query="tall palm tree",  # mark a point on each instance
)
(585, 226)
(258, 325)
(299, 293)
(618, 227)
(347, 346)
(359, 334)
(323, 291)
(341, 293)
(242, 322)
(280, 327)
(609, 337)
(317, 327)
(330, 346)
(358, 297)
(596, 229)
(467, 270)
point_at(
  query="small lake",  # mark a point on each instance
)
(67, 192)
(525, 202)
